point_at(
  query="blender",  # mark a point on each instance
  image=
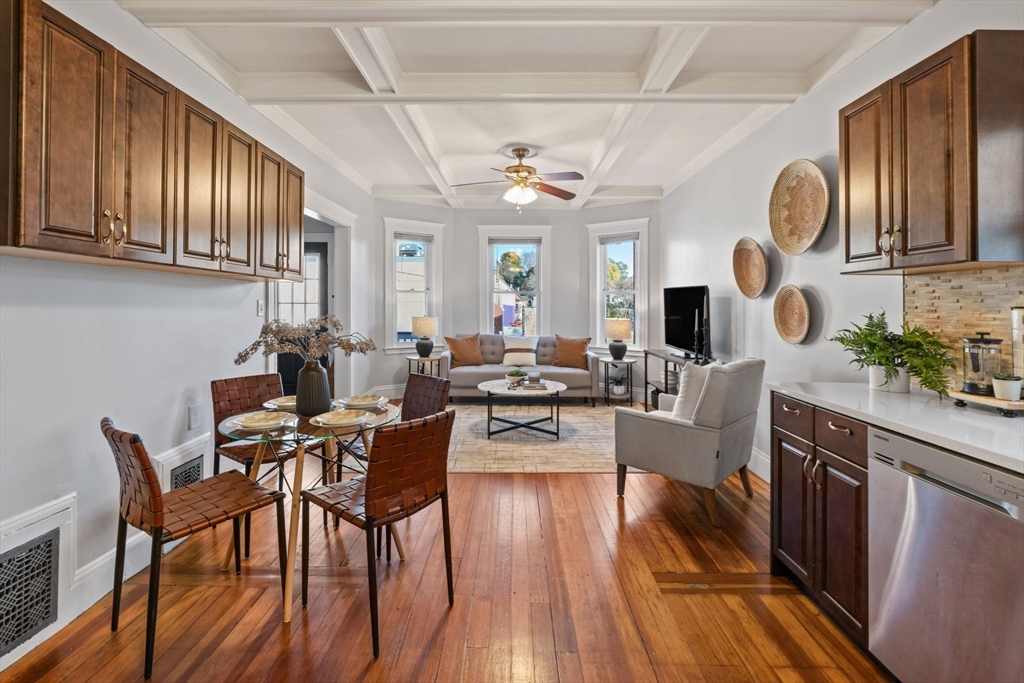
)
(981, 363)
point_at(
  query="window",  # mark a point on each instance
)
(618, 255)
(618, 280)
(297, 302)
(515, 290)
(412, 278)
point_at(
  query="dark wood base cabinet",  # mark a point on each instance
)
(117, 165)
(819, 509)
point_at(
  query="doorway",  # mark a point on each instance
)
(297, 302)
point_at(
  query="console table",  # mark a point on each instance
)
(676, 358)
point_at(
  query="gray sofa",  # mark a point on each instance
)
(464, 379)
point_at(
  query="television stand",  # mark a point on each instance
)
(653, 387)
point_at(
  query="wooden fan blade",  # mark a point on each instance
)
(553, 191)
(564, 175)
(484, 182)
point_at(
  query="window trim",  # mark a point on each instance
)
(641, 285)
(515, 232)
(435, 280)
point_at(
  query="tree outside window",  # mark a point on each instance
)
(619, 292)
(515, 289)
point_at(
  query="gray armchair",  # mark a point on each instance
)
(704, 451)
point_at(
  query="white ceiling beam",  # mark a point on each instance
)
(417, 134)
(330, 13)
(285, 122)
(612, 143)
(518, 82)
(671, 48)
(188, 44)
(752, 122)
(752, 84)
(359, 51)
(334, 92)
(861, 41)
(414, 192)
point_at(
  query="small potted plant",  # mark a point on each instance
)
(1006, 386)
(892, 358)
(515, 377)
(618, 385)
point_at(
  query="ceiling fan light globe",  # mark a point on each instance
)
(513, 194)
(529, 195)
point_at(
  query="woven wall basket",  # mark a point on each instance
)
(798, 206)
(750, 267)
(792, 317)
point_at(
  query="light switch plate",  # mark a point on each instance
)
(193, 417)
(259, 308)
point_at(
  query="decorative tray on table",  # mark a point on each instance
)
(1005, 408)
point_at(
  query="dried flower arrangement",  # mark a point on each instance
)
(311, 340)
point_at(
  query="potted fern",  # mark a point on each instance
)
(892, 358)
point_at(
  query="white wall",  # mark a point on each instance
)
(79, 342)
(702, 220)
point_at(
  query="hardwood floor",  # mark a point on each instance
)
(556, 579)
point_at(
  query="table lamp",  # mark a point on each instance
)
(618, 329)
(424, 327)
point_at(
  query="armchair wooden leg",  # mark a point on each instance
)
(620, 484)
(371, 564)
(745, 478)
(709, 502)
(122, 532)
(154, 596)
(447, 546)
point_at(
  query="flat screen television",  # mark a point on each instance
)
(687, 319)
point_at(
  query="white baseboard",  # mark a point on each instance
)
(761, 464)
(80, 587)
(389, 390)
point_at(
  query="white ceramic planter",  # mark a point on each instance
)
(899, 385)
(619, 389)
(1006, 389)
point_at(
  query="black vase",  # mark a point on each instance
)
(312, 391)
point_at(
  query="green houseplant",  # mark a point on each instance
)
(516, 376)
(893, 357)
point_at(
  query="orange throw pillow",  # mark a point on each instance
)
(465, 350)
(571, 352)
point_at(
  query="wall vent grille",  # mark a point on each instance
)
(28, 589)
(187, 473)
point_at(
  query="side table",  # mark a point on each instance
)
(432, 365)
(611, 362)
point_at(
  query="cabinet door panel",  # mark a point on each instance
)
(239, 201)
(792, 505)
(143, 164)
(294, 203)
(864, 186)
(841, 541)
(931, 160)
(269, 214)
(197, 223)
(68, 128)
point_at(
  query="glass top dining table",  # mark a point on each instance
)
(300, 433)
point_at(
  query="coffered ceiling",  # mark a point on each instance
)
(410, 97)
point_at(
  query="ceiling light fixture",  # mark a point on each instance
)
(520, 193)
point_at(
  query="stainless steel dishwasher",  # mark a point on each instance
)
(945, 564)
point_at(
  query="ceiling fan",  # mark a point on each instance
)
(524, 182)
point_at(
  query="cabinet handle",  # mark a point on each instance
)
(124, 230)
(110, 228)
(897, 240)
(844, 430)
(787, 409)
(884, 242)
(225, 247)
(814, 475)
(807, 461)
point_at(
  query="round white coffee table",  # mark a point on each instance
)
(499, 387)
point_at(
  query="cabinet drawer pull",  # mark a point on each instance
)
(814, 474)
(110, 228)
(844, 430)
(807, 461)
(787, 409)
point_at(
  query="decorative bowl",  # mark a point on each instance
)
(515, 380)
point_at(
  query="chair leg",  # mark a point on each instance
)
(236, 533)
(380, 541)
(305, 549)
(745, 478)
(122, 533)
(371, 565)
(387, 542)
(593, 402)
(620, 480)
(447, 546)
(323, 477)
(154, 595)
(216, 462)
(709, 503)
(248, 471)
(282, 548)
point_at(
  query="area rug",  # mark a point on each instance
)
(587, 442)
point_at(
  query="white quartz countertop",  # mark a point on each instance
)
(972, 431)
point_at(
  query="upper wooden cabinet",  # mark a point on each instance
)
(117, 163)
(932, 161)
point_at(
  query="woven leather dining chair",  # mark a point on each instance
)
(176, 514)
(424, 395)
(406, 472)
(237, 395)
